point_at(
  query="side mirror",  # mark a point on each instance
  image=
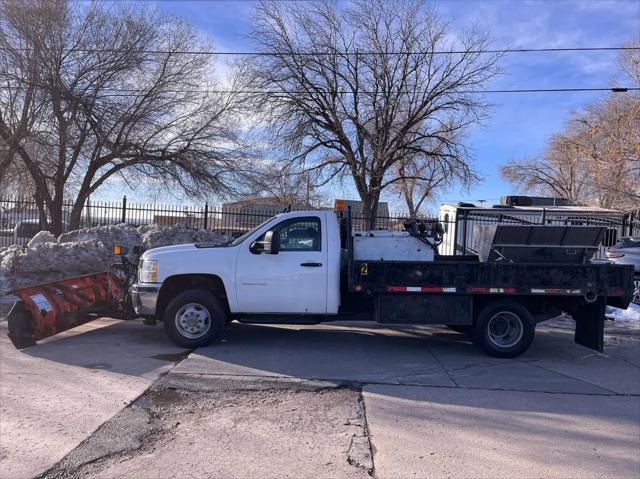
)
(269, 245)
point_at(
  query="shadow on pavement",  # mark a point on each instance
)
(358, 353)
(122, 347)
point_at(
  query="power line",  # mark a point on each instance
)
(347, 53)
(127, 92)
(132, 92)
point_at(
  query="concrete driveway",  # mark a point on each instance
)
(335, 400)
(55, 395)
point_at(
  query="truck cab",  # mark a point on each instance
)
(290, 264)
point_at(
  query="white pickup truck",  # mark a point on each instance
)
(309, 266)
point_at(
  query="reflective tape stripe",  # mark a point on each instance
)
(397, 289)
(556, 291)
(477, 290)
(492, 290)
(438, 289)
(482, 290)
(418, 289)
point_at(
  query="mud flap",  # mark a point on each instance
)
(589, 320)
(21, 327)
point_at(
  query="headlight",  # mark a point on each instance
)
(148, 272)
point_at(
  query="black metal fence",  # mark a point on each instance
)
(20, 220)
(470, 225)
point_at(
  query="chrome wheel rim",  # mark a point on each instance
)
(636, 292)
(193, 320)
(505, 329)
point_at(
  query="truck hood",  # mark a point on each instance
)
(190, 259)
(156, 253)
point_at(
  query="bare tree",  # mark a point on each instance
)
(559, 172)
(13, 176)
(285, 183)
(353, 90)
(108, 91)
(608, 141)
(421, 177)
(596, 158)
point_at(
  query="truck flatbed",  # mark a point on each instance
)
(455, 292)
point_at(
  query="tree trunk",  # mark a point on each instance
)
(408, 197)
(56, 221)
(42, 212)
(56, 217)
(76, 214)
(365, 211)
(373, 212)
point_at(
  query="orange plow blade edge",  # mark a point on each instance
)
(50, 308)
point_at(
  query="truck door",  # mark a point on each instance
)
(292, 281)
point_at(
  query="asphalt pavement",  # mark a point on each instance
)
(115, 398)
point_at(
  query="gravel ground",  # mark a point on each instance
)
(221, 428)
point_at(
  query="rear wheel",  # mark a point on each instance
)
(194, 318)
(504, 329)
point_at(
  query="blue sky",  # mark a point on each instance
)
(519, 124)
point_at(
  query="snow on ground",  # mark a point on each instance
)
(627, 320)
(89, 250)
(631, 314)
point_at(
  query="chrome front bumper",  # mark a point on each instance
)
(145, 297)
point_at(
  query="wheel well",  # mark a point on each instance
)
(540, 308)
(183, 282)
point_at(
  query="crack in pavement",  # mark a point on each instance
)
(362, 383)
(614, 393)
(364, 447)
(446, 370)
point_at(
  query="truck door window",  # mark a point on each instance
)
(300, 234)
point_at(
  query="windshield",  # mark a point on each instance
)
(240, 239)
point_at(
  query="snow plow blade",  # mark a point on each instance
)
(50, 308)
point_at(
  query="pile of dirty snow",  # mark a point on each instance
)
(630, 315)
(47, 258)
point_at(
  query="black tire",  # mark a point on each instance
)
(194, 318)
(504, 329)
(460, 328)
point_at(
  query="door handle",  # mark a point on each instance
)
(311, 265)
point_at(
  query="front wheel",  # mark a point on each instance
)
(194, 318)
(504, 329)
